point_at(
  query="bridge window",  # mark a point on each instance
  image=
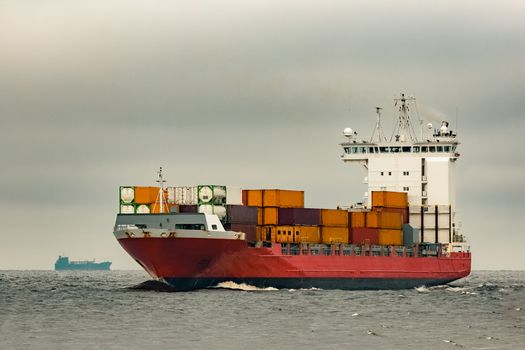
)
(406, 149)
(424, 149)
(432, 149)
(383, 149)
(406, 189)
(354, 149)
(213, 227)
(415, 149)
(447, 148)
(440, 148)
(382, 173)
(389, 173)
(370, 149)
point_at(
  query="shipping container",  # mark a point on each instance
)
(390, 237)
(334, 217)
(127, 209)
(411, 235)
(402, 211)
(142, 209)
(233, 195)
(357, 219)
(250, 230)
(299, 216)
(127, 194)
(285, 234)
(308, 234)
(146, 195)
(260, 233)
(332, 234)
(283, 198)
(389, 199)
(260, 213)
(240, 214)
(155, 208)
(361, 235)
(269, 233)
(384, 219)
(270, 216)
(254, 198)
(186, 208)
(215, 209)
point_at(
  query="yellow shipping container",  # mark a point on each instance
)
(254, 198)
(270, 216)
(389, 199)
(334, 217)
(308, 234)
(283, 199)
(330, 234)
(390, 237)
(285, 234)
(268, 233)
(357, 219)
(146, 195)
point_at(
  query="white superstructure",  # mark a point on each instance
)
(423, 166)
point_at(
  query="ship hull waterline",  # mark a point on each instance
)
(195, 263)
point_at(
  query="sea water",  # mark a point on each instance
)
(116, 310)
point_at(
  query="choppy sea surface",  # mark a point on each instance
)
(106, 310)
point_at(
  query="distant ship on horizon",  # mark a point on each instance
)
(64, 264)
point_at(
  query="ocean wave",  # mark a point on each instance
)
(242, 286)
(422, 289)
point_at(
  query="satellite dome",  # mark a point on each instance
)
(348, 132)
(429, 125)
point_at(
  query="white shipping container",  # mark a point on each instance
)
(127, 209)
(233, 195)
(127, 194)
(143, 209)
(218, 210)
(430, 235)
(172, 195)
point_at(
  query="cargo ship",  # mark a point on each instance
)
(64, 264)
(402, 234)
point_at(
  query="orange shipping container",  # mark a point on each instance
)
(390, 237)
(260, 216)
(357, 219)
(254, 198)
(155, 207)
(283, 199)
(146, 195)
(270, 216)
(331, 234)
(389, 199)
(334, 217)
(259, 233)
(384, 219)
(308, 234)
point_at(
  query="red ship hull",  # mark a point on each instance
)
(193, 263)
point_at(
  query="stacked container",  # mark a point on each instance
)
(334, 226)
(271, 204)
(241, 218)
(141, 200)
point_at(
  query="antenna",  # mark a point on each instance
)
(160, 196)
(457, 114)
(403, 128)
(380, 135)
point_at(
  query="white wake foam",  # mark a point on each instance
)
(242, 286)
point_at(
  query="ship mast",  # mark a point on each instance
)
(160, 197)
(378, 128)
(403, 130)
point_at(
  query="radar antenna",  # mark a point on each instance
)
(403, 128)
(378, 128)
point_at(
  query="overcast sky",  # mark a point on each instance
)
(97, 94)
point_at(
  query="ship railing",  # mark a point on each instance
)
(417, 250)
